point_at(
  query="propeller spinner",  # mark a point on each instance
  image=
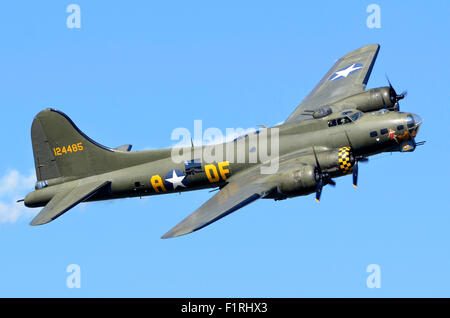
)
(394, 97)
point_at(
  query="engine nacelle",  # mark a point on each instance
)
(303, 180)
(297, 182)
(339, 161)
(373, 99)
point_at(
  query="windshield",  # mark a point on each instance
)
(356, 116)
(339, 121)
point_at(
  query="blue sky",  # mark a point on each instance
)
(134, 71)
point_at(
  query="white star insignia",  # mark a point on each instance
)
(345, 72)
(176, 180)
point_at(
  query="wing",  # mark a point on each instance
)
(348, 76)
(236, 194)
(67, 199)
(242, 189)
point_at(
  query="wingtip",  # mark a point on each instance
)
(371, 47)
(35, 222)
(174, 233)
(39, 220)
(166, 236)
(169, 235)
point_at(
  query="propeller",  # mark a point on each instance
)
(358, 158)
(355, 174)
(355, 169)
(322, 178)
(394, 96)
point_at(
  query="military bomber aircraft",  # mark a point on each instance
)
(338, 125)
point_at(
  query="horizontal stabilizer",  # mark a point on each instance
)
(67, 199)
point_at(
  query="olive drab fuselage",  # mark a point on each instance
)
(370, 134)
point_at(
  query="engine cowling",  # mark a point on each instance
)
(340, 161)
(373, 100)
(303, 180)
(297, 182)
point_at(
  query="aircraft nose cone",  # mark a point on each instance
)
(413, 123)
(413, 120)
(417, 119)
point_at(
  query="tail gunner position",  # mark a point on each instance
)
(335, 127)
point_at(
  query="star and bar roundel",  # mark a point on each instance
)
(175, 179)
(346, 71)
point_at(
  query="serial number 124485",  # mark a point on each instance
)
(59, 151)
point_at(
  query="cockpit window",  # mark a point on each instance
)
(356, 116)
(339, 121)
(343, 120)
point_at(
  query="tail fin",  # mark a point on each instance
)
(61, 150)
